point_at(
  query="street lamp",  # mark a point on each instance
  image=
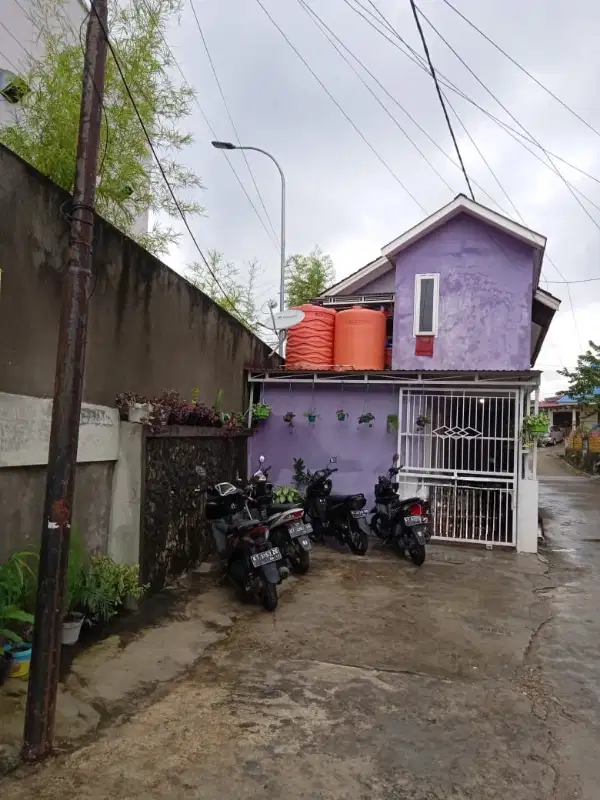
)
(230, 146)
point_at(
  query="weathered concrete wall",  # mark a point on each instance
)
(149, 329)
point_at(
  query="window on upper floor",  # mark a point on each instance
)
(427, 303)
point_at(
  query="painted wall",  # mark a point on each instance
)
(384, 283)
(362, 453)
(486, 284)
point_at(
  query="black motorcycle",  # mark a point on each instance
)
(404, 524)
(251, 561)
(287, 528)
(341, 515)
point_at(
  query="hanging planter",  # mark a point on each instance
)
(288, 418)
(535, 426)
(312, 416)
(261, 411)
(341, 414)
(366, 419)
(391, 422)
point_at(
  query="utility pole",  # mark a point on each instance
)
(66, 409)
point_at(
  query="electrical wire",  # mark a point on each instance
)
(316, 19)
(440, 95)
(340, 108)
(522, 68)
(213, 132)
(226, 104)
(417, 59)
(158, 162)
(510, 114)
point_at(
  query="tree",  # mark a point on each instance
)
(44, 128)
(226, 287)
(584, 380)
(308, 276)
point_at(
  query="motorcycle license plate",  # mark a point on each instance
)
(413, 520)
(267, 557)
(299, 529)
(359, 514)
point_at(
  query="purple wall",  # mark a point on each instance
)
(486, 284)
(362, 453)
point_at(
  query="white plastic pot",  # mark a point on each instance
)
(71, 629)
(138, 412)
(130, 603)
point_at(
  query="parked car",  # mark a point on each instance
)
(555, 435)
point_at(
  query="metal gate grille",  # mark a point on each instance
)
(460, 449)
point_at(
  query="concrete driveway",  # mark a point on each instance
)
(475, 676)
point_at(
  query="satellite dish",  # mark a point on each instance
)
(286, 319)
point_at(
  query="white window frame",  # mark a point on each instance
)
(435, 276)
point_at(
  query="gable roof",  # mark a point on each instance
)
(460, 205)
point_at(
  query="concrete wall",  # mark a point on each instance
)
(24, 437)
(362, 453)
(486, 284)
(149, 329)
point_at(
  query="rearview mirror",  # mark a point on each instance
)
(261, 460)
(201, 472)
(333, 460)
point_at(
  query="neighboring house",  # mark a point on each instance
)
(20, 41)
(569, 412)
(466, 322)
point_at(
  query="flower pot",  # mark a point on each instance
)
(312, 418)
(539, 429)
(341, 415)
(6, 659)
(130, 603)
(261, 413)
(71, 628)
(21, 659)
(138, 412)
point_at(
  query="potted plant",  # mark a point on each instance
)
(288, 417)
(133, 591)
(261, 411)
(286, 494)
(341, 414)
(311, 415)
(392, 422)
(535, 426)
(19, 659)
(366, 419)
(134, 407)
(16, 576)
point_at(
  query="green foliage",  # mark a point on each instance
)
(584, 380)
(308, 276)
(534, 424)
(227, 288)
(44, 132)
(286, 494)
(261, 411)
(302, 475)
(17, 575)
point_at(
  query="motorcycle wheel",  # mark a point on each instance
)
(358, 541)
(269, 596)
(301, 561)
(417, 553)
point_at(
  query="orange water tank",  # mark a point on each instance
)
(310, 343)
(360, 339)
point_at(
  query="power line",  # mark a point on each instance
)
(212, 130)
(226, 104)
(158, 163)
(417, 59)
(440, 96)
(510, 114)
(339, 107)
(522, 68)
(316, 19)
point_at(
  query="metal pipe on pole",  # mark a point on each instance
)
(66, 409)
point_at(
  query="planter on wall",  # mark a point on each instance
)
(139, 412)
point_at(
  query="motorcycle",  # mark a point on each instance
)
(401, 523)
(251, 561)
(342, 515)
(287, 529)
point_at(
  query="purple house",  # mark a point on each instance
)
(466, 322)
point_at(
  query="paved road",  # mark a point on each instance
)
(475, 677)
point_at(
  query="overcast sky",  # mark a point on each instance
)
(340, 195)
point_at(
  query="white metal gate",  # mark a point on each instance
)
(460, 447)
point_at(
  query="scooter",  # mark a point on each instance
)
(251, 561)
(401, 523)
(342, 515)
(287, 528)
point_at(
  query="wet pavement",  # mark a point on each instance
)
(475, 676)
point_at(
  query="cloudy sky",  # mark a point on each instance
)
(340, 194)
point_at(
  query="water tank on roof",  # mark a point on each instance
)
(310, 343)
(360, 339)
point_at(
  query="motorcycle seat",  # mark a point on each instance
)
(410, 500)
(338, 499)
(279, 508)
(247, 525)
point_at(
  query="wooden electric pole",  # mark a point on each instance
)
(66, 409)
